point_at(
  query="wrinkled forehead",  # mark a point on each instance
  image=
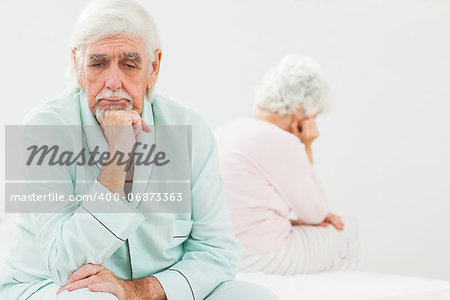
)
(117, 47)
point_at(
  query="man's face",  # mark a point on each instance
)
(115, 74)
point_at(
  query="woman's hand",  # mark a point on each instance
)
(305, 129)
(329, 219)
(296, 222)
(333, 220)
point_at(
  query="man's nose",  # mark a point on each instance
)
(113, 78)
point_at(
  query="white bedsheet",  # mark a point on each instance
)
(351, 286)
(322, 286)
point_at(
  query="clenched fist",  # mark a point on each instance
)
(122, 129)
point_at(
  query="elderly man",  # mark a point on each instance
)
(81, 253)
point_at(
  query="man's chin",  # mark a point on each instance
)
(101, 110)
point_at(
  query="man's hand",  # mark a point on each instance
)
(99, 279)
(122, 129)
(333, 220)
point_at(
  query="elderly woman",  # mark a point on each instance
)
(267, 166)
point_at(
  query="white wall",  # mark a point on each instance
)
(384, 151)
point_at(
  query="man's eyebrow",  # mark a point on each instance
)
(132, 56)
(97, 57)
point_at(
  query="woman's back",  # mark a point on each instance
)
(267, 175)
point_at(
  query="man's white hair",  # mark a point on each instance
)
(295, 83)
(106, 18)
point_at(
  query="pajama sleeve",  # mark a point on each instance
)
(74, 233)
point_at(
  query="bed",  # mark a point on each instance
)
(321, 286)
(352, 286)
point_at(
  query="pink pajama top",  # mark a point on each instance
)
(267, 175)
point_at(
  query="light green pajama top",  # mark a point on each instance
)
(190, 253)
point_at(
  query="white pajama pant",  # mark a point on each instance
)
(227, 290)
(49, 293)
(311, 249)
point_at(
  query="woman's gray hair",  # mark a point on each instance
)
(106, 18)
(295, 83)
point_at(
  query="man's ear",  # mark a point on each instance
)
(155, 69)
(76, 65)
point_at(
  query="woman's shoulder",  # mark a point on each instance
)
(255, 133)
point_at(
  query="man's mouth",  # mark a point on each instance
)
(114, 100)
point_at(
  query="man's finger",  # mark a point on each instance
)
(136, 124)
(137, 129)
(135, 119)
(83, 283)
(83, 272)
(107, 287)
(145, 127)
(139, 125)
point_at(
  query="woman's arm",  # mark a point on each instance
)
(306, 131)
